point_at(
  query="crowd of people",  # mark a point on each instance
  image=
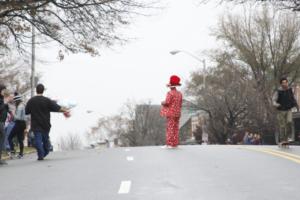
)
(252, 138)
(17, 118)
(246, 138)
(14, 118)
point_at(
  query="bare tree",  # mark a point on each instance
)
(70, 142)
(15, 74)
(144, 125)
(266, 43)
(108, 128)
(136, 125)
(225, 99)
(293, 5)
(149, 124)
(259, 48)
(77, 25)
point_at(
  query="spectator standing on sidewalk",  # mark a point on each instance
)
(5, 98)
(39, 108)
(19, 127)
(9, 124)
(171, 109)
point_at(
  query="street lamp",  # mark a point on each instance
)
(174, 52)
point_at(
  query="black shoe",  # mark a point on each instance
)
(20, 156)
(3, 162)
(39, 159)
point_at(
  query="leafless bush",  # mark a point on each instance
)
(70, 142)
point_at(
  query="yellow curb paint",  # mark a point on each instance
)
(284, 153)
(288, 156)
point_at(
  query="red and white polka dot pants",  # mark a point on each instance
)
(172, 132)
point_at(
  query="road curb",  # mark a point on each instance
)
(29, 152)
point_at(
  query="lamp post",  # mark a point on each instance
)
(174, 52)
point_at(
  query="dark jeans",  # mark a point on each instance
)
(18, 130)
(2, 137)
(8, 128)
(42, 143)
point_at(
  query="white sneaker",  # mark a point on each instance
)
(164, 147)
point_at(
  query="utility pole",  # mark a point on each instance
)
(32, 78)
(204, 73)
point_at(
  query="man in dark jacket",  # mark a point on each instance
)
(284, 101)
(4, 99)
(39, 108)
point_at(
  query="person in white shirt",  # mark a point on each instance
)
(19, 128)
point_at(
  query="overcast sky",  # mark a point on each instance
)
(136, 71)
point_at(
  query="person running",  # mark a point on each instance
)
(284, 100)
(171, 109)
(5, 98)
(19, 127)
(39, 108)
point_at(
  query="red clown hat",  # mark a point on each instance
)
(174, 81)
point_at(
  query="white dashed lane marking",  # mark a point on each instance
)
(125, 187)
(130, 158)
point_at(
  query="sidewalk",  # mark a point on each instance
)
(27, 150)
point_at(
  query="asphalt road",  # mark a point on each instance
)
(144, 173)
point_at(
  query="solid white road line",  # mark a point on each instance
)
(127, 149)
(130, 158)
(125, 187)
